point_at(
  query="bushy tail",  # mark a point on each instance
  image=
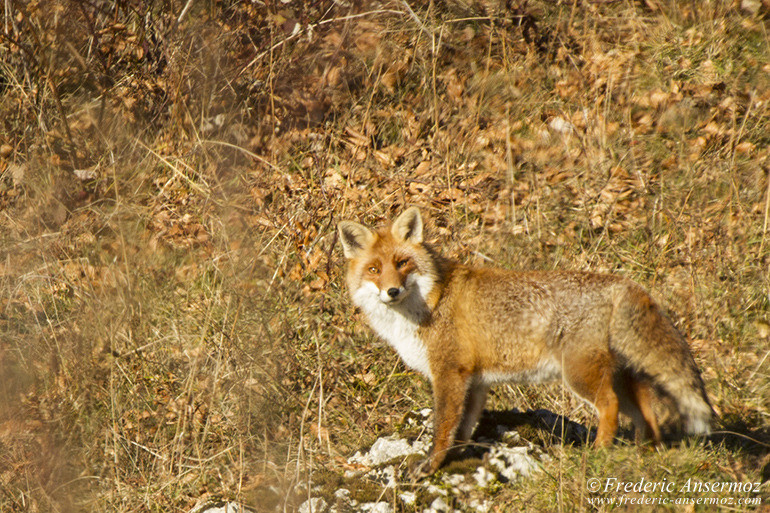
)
(642, 334)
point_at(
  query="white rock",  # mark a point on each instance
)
(85, 174)
(408, 497)
(435, 490)
(343, 494)
(480, 506)
(454, 479)
(438, 505)
(457, 483)
(376, 507)
(388, 448)
(483, 477)
(508, 435)
(512, 462)
(313, 505)
(344, 502)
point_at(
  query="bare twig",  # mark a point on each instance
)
(244, 150)
(184, 11)
(417, 19)
(767, 211)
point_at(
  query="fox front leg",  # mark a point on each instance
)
(449, 401)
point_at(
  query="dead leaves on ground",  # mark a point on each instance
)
(458, 146)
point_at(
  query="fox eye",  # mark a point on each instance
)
(374, 270)
(401, 263)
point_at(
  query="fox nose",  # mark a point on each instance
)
(393, 292)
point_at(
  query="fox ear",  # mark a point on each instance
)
(354, 237)
(408, 226)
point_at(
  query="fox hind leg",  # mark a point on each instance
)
(636, 397)
(591, 376)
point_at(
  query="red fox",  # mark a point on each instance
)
(467, 329)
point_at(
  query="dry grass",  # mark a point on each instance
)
(174, 327)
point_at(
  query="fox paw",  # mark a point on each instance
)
(421, 469)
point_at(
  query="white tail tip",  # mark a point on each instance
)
(698, 426)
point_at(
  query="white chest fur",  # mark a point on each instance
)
(397, 324)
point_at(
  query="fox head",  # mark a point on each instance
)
(389, 265)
